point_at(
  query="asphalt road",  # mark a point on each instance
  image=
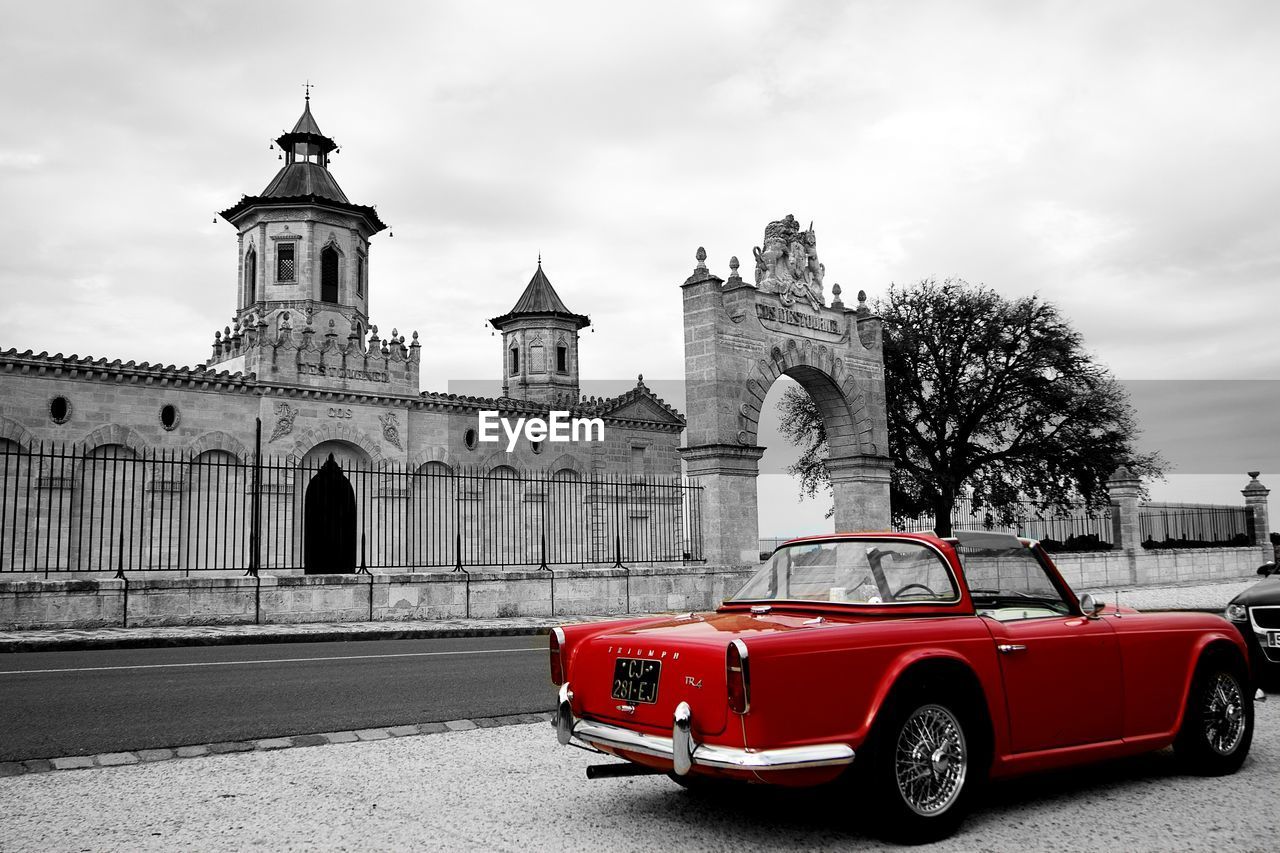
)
(514, 789)
(80, 703)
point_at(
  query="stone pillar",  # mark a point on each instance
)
(1255, 499)
(860, 486)
(730, 524)
(1124, 489)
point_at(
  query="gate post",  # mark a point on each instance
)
(1255, 499)
(860, 487)
(727, 475)
(1123, 489)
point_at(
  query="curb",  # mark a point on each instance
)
(151, 756)
(77, 644)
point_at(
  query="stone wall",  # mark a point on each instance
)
(355, 598)
(1088, 570)
(485, 595)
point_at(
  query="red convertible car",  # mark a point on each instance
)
(916, 666)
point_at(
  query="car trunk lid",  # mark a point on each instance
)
(689, 653)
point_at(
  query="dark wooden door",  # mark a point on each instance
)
(330, 517)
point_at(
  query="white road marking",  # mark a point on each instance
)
(276, 660)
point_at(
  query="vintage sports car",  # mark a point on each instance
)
(1256, 614)
(914, 666)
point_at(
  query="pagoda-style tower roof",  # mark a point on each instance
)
(540, 300)
(305, 178)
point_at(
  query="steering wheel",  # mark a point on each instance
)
(917, 586)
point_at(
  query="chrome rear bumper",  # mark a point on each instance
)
(683, 752)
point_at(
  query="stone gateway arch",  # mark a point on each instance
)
(739, 337)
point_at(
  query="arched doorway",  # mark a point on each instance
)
(740, 338)
(329, 545)
(786, 509)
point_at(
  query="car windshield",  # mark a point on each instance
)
(853, 571)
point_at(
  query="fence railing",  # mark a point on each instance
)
(66, 509)
(1194, 526)
(1077, 530)
(1161, 525)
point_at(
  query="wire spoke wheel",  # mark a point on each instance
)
(1224, 714)
(931, 759)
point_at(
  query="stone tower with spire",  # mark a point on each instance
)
(303, 282)
(540, 345)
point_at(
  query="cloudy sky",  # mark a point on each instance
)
(1118, 158)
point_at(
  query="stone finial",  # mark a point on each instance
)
(863, 310)
(415, 341)
(1123, 474)
(835, 297)
(1255, 488)
(735, 279)
(640, 379)
(702, 258)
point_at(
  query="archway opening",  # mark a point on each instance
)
(434, 514)
(791, 502)
(330, 521)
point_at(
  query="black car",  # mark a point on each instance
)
(1256, 614)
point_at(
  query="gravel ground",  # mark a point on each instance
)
(514, 789)
(1190, 597)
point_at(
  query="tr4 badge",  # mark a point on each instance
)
(693, 682)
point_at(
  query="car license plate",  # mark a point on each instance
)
(636, 680)
(1273, 639)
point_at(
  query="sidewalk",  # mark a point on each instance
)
(1191, 596)
(1211, 597)
(74, 639)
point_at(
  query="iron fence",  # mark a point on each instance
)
(1080, 529)
(68, 509)
(1194, 526)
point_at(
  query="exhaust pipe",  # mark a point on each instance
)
(613, 771)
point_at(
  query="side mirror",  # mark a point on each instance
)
(1267, 569)
(1089, 606)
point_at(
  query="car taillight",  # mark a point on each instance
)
(557, 665)
(738, 677)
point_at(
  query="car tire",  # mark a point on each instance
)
(1217, 725)
(921, 733)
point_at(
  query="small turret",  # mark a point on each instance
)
(540, 344)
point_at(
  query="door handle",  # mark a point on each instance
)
(1010, 648)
